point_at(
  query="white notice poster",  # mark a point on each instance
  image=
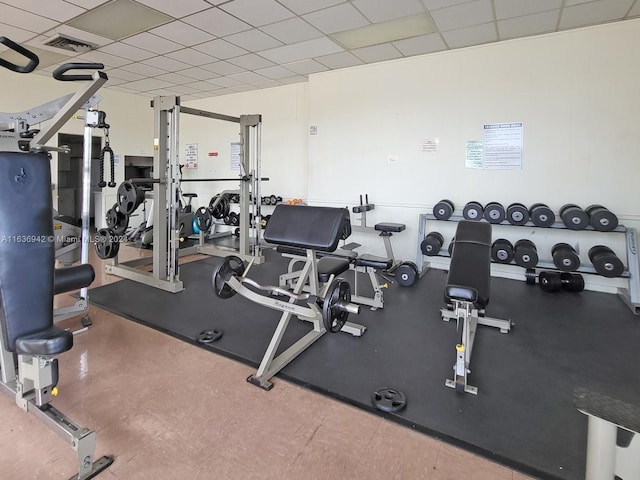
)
(191, 155)
(503, 146)
(474, 154)
(235, 156)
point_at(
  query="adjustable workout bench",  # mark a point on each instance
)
(467, 294)
(328, 307)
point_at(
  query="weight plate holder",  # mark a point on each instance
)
(443, 209)
(229, 267)
(541, 215)
(473, 211)
(389, 400)
(432, 244)
(517, 214)
(494, 212)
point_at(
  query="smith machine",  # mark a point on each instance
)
(165, 274)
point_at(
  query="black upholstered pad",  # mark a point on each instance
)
(470, 268)
(318, 228)
(301, 252)
(50, 341)
(328, 266)
(72, 278)
(372, 261)
(390, 227)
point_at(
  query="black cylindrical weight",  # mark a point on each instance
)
(601, 218)
(116, 220)
(572, 282)
(443, 209)
(565, 257)
(573, 217)
(502, 251)
(517, 214)
(541, 215)
(605, 261)
(473, 211)
(432, 244)
(494, 212)
(525, 253)
(550, 281)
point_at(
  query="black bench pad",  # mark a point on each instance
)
(390, 227)
(72, 278)
(328, 266)
(470, 269)
(318, 228)
(301, 252)
(372, 261)
(50, 341)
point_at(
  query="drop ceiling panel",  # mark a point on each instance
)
(420, 45)
(144, 70)
(250, 61)
(305, 6)
(383, 10)
(248, 77)
(148, 84)
(102, 57)
(198, 73)
(257, 12)
(178, 8)
(302, 50)
(166, 63)
(152, 43)
(293, 30)
(54, 9)
(377, 53)
(528, 25)
(435, 4)
(220, 49)
(275, 72)
(305, 67)
(25, 20)
(191, 56)
(336, 19)
(182, 33)
(225, 82)
(517, 8)
(216, 22)
(88, 4)
(465, 15)
(127, 51)
(200, 86)
(253, 40)
(124, 75)
(339, 60)
(222, 68)
(476, 35)
(16, 34)
(594, 12)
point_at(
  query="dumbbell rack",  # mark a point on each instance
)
(630, 295)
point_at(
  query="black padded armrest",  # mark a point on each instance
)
(72, 278)
(318, 228)
(470, 269)
(593, 403)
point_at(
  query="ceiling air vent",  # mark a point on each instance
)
(69, 43)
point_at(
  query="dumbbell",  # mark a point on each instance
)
(443, 209)
(605, 261)
(573, 217)
(432, 244)
(565, 257)
(517, 214)
(556, 281)
(525, 253)
(541, 215)
(502, 251)
(601, 218)
(494, 212)
(473, 211)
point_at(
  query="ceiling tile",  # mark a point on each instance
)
(166, 63)
(103, 57)
(18, 35)
(124, 75)
(383, 10)
(148, 84)
(220, 49)
(177, 9)
(336, 19)
(161, 92)
(475, 35)
(594, 12)
(305, 67)
(257, 12)
(517, 8)
(305, 6)
(339, 60)
(301, 51)
(251, 61)
(88, 4)
(185, 90)
(267, 84)
(216, 22)
(153, 43)
(435, 4)
(191, 56)
(420, 45)
(222, 68)
(174, 78)
(201, 86)
(635, 10)
(274, 72)
(377, 53)
(144, 70)
(568, 3)
(122, 88)
(198, 73)
(25, 20)
(294, 79)
(54, 9)
(528, 25)
(248, 77)
(182, 33)
(242, 88)
(253, 40)
(292, 31)
(225, 82)
(127, 51)
(460, 16)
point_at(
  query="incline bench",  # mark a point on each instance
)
(467, 295)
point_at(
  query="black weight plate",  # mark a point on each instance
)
(494, 212)
(333, 317)
(129, 197)
(602, 219)
(525, 253)
(389, 400)
(502, 251)
(530, 276)
(597, 249)
(236, 232)
(274, 199)
(406, 274)
(572, 282)
(234, 219)
(116, 221)
(517, 214)
(203, 218)
(209, 336)
(432, 244)
(443, 209)
(106, 244)
(541, 215)
(605, 261)
(573, 217)
(550, 281)
(565, 257)
(229, 267)
(473, 211)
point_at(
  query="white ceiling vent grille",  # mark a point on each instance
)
(65, 42)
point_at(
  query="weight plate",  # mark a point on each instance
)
(530, 276)
(333, 316)
(573, 217)
(473, 211)
(106, 244)
(229, 267)
(209, 336)
(572, 282)
(116, 221)
(541, 215)
(389, 400)
(602, 219)
(517, 214)
(432, 244)
(605, 261)
(203, 219)
(502, 251)
(494, 212)
(236, 232)
(565, 257)
(406, 274)
(550, 281)
(525, 253)
(129, 197)
(443, 209)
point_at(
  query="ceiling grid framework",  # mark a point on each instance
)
(204, 48)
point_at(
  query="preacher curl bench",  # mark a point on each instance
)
(467, 294)
(327, 307)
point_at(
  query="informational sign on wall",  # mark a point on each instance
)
(502, 146)
(235, 156)
(191, 155)
(474, 154)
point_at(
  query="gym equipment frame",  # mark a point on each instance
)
(165, 273)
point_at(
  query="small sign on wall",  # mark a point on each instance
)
(235, 156)
(191, 155)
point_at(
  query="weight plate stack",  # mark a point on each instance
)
(494, 212)
(573, 217)
(605, 261)
(443, 209)
(525, 253)
(473, 211)
(432, 244)
(517, 214)
(502, 251)
(565, 257)
(601, 218)
(541, 215)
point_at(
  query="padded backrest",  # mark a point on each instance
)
(26, 245)
(319, 228)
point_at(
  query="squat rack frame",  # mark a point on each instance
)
(165, 273)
